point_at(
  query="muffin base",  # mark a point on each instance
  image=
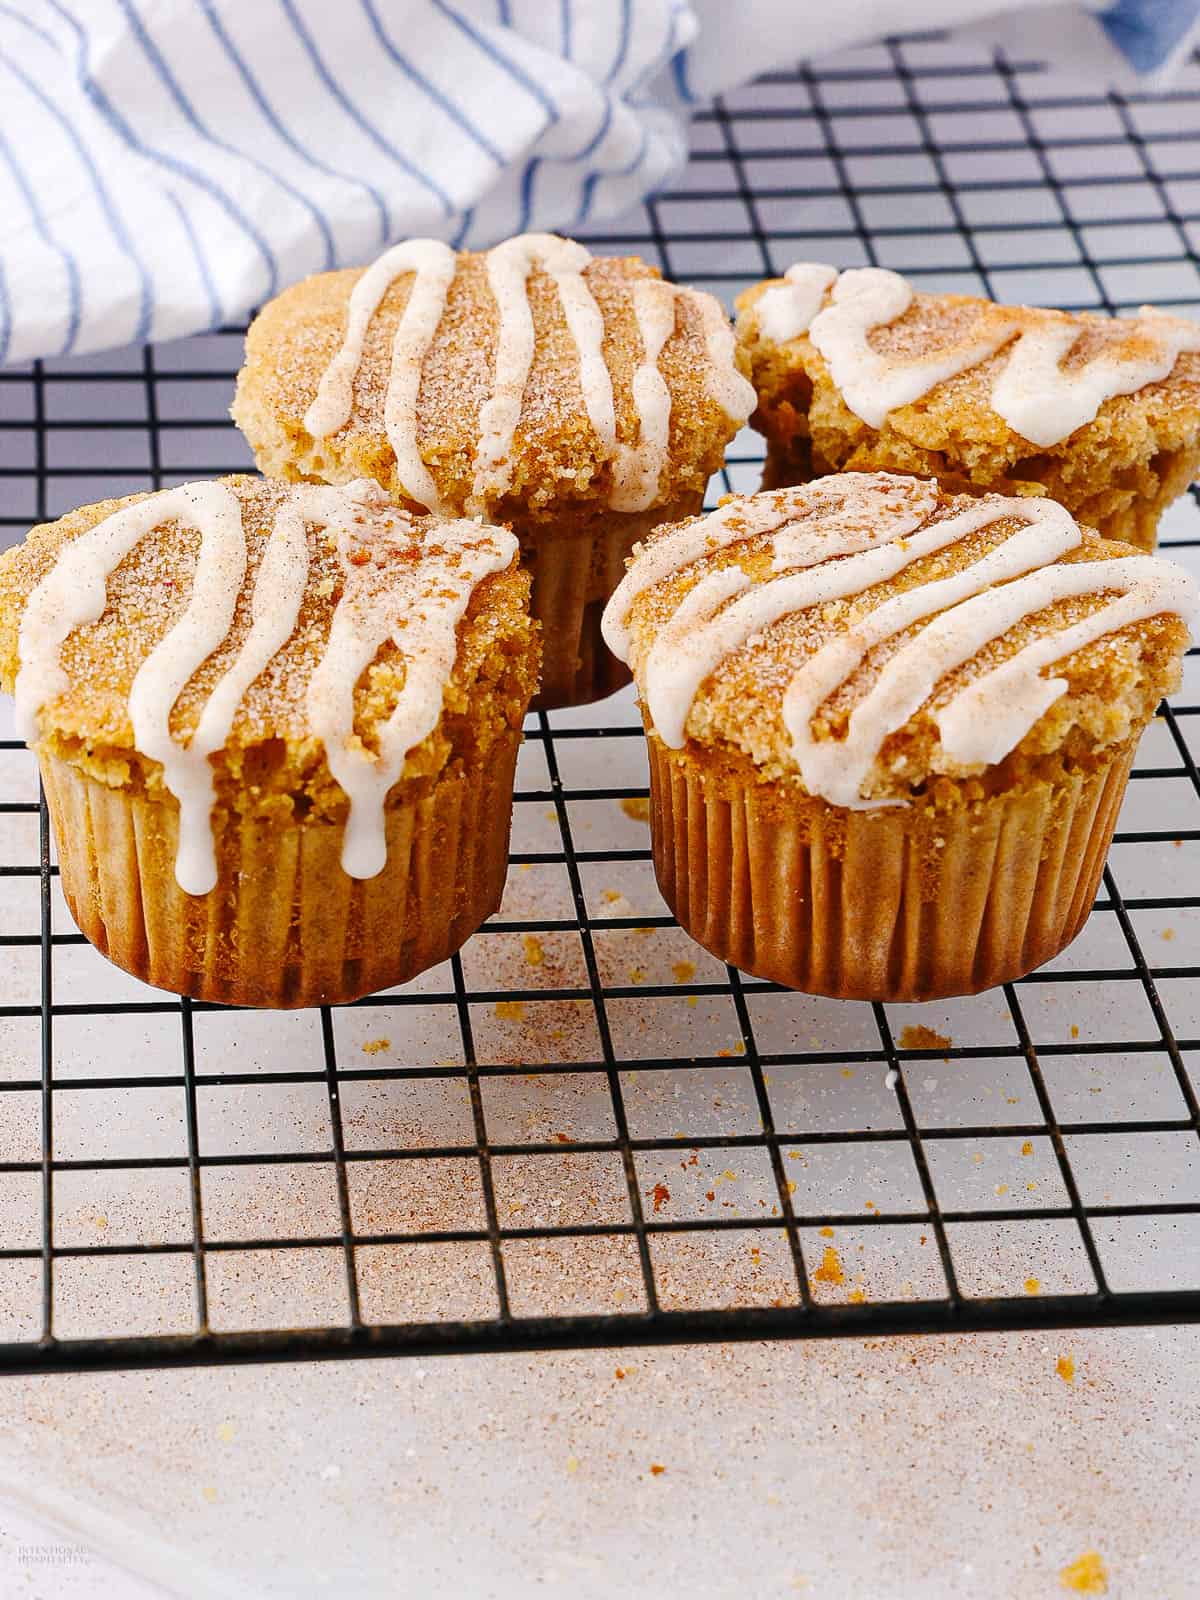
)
(576, 564)
(899, 903)
(285, 926)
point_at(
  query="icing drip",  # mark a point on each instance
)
(674, 678)
(786, 310)
(638, 468)
(1045, 404)
(837, 558)
(836, 768)
(420, 614)
(735, 395)
(837, 515)
(985, 720)
(434, 264)
(1033, 393)
(872, 384)
(416, 603)
(75, 592)
(508, 269)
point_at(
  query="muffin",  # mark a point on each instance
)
(857, 371)
(578, 401)
(890, 727)
(276, 727)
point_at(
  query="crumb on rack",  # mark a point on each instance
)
(684, 971)
(1033, 1286)
(374, 1047)
(510, 1010)
(535, 953)
(831, 1269)
(1065, 1367)
(1087, 1575)
(637, 806)
(916, 1036)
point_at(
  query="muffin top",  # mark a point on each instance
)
(513, 381)
(1042, 374)
(281, 649)
(867, 632)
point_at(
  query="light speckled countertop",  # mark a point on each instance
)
(853, 1470)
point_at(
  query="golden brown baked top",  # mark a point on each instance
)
(370, 629)
(940, 366)
(865, 632)
(511, 382)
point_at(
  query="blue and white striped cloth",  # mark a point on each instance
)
(167, 164)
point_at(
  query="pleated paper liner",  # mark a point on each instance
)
(898, 903)
(576, 565)
(285, 926)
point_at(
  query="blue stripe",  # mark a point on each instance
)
(601, 132)
(356, 115)
(64, 255)
(593, 178)
(210, 288)
(464, 228)
(162, 67)
(431, 89)
(679, 73)
(116, 121)
(5, 315)
(565, 24)
(112, 215)
(293, 144)
(505, 10)
(501, 59)
(43, 35)
(527, 178)
(622, 42)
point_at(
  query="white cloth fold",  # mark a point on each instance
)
(165, 165)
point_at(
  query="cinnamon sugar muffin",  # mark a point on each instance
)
(578, 401)
(276, 727)
(890, 727)
(857, 371)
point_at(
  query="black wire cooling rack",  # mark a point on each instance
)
(583, 1130)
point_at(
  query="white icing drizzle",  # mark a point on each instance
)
(420, 616)
(638, 467)
(1032, 392)
(735, 395)
(508, 269)
(838, 515)
(417, 604)
(871, 383)
(987, 718)
(786, 310)
(1045, 404)
(434, 264)
(672, 680)
(1018, 577)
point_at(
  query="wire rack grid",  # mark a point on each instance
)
(583, 1129)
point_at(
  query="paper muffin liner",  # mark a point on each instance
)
(285, 926)
(574, 573)
(898, 903)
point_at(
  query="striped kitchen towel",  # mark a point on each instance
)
(165, 165)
